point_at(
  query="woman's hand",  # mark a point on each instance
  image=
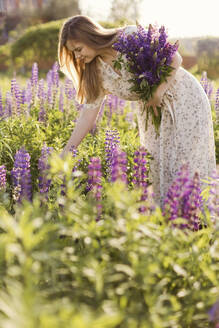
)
(155, 101)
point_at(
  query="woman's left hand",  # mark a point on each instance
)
(155, 101)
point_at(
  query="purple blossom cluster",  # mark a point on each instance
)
(184, 200)
(213, 199)
(148, 53)
(214, 314)
(207, 85)
(119, 166)
(112, 140)
(216, 107)
(1, 106)
(94, 182)
(2, 177)
(149, 56)
(43, 166)
(140, 173)
(21, 177)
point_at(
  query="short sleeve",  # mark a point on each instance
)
(97, 103)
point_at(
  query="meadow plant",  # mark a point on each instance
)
(119, 166)
(61, 99)
(41, 95)
(140, 173)
(2, 177)
(184, 200)
(216, 107)
(21, 177)
(213, 199)
(112, 140)
(43, 166)
(206, 84)
(1, 106)
(8, 105)
(94, 183)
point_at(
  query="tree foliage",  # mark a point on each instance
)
(128, 10)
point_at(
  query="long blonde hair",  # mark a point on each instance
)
(85, 78)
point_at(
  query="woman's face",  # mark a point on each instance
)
(81, 51)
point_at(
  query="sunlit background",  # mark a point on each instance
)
(185, 18)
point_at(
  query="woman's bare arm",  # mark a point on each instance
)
(83, 125)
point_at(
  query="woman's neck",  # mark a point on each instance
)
(109, 55)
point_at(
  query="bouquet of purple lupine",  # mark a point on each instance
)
(149, 56)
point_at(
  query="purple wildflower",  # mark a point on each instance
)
(214, 314)
(8, 104)
(70, 91)
(21, 177)
(112, 140)
(140, 175)
(41, 96)
(183, 199)
(29, 95)
(206, 84)
(43, 166)
(49, 87)
(61, 99)
(1, 106)
(94, 182)
(2, 177)
(217, 106)
(34, 75)
(16, 96)
(119, 166)
(55, 82)
(213, 200)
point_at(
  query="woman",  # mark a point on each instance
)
(86, 56)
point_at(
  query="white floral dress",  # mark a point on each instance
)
(186, 131)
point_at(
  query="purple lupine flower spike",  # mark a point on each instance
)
(140, 174)
(8, 104)
(55, 82)
(41, 96)
(112, 140)
(1, 106)
(21, 177)
(34, 80)
(206, 84)
(2, 177)
(29, 95)
(194, 204)
(213, 200)
(183, 199)
(61, 99)
(94, 182)
(43, 166)
(34, 75)
(49, 87)
(119, 166)
(214, 314)
(217, 106)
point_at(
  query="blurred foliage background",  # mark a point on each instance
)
(29, 32)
